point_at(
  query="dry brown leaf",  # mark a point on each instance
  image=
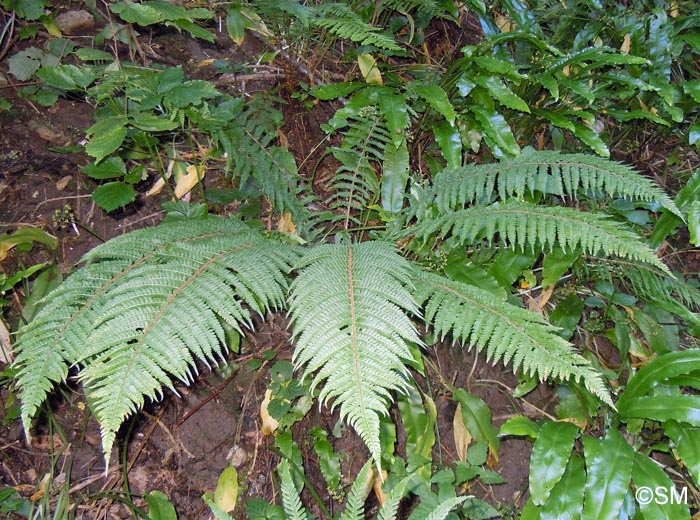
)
(462, 436)
(189, 181)
(377, 482)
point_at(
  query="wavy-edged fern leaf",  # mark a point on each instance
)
(341, 21)
(349, 305)
(144, 309)
(529, 225)
(508, 333)
(355, 184)
(547, 172)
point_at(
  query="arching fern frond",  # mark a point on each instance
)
(528, 225)
(547, 172)
(512, 334)
(349, 305)
(145, 307)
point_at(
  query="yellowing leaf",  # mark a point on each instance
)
(156, 188)
(189, 181)
(286, 224)
(626, 44)
(369, 69)
(461, 434)
(377, 481)
(269, 423)
(226, 492)
(675, 9)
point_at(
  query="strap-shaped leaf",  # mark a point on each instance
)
(349, 305)
(147, 305)
(477, 318)
(528, 225)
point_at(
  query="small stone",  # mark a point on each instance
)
(61, 184)
(75, 22)
(46, 133)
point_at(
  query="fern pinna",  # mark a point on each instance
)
(144, 307)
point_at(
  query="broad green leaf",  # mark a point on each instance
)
(684, 408)
(88, 54)
(694, 223)
(328, 459)
(496, 128)
(509, 265)
(551, 84)
(555, 264)
(393, 108)
(591, 138)
(25, 235)
(668, 222)
(335, 90)
(458, 266)
(567, 315)
(159, 506)
(141, 14)
(693, 132)
(476, 509)
(66, 77)
(106, 136)
(550, 456)
(191, 93)
(152, 122)
(235, 24)
(658, 370)
(438, 100)
(520, 426)
(686, 441)
(419, 422)
(476, 416)
(226, 493)
(556, 118)
(110, 168)
(566, 497)
(113, 195)
(450, 143)
(630, 115)
(647, 474)
(8, 283)
(23, 64)
(609, 473)
(195, 30)
(394, 177)
(502, 93)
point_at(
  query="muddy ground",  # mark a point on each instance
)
(181, 445)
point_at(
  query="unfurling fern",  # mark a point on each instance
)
(144, 308)
(509, 333)
(349, 305)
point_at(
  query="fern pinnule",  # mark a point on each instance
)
(147, 318)
(348, 305)
(512, 334)
(547, 172)
(526, 225)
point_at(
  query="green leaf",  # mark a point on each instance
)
(476, 416)
(550, 456)
(555, 264)
(89, 54)
(190, 93)
(566, 497)
(114, 195)
(419, 422)
(107, 135)
(438, 100)
(336, 90)
(684, 408)
(495, 126)
(226, 492)
(195, 30)
(110, 168)
(141, 14)
(458, 266)
(235, 24)
(591, 138)
(393, 108)
(394, 177)
(66, 77)
(159, 506)
(658, 370)
(686, 441)
(556, 118)
(609, 472)
(23, 64)
(509, 265)
(694, 223)
(520, 426)
(502, 93)
(450, 142)
(476, 509)
(25, 235)
(328, 459)
(152, 122)
(647, 474)
(567, 315)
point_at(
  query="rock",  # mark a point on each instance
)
(46, 133)
(75, 22)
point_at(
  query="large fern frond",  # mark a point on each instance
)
(341, 21)
(548, 172)
(512, 334)
(145, 307)
(528, 225)
(349, 306)
(356, 184)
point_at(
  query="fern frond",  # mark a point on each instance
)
(547, 172)
(348, 306)
(147, 305)
(341, 21)
(528, 225)
(390, 507)
(355, 505)
(443, 508)
(291, 502)
(355, 184)
(425, 8)
(508, 333)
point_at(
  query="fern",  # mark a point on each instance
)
(293, 509)
(546, 172)
(348, 304)
(356, 185)
(355, 506)
(144, 309)
(341, 21)
(528, 225)
(509, 333)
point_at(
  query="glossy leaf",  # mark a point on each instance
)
(647, 474)
(159, 506)
(566, 498)
(106, 136)
(496, 128)
(503, 94)
(113, 195)
(450, 143)
(476, 416)
(659, 369)
(694, 223)
(684, 408)
(520, 426)
(591, 138)
(328, 459)
(567, 315)
(110, 168)
(550, 456)
(609, 473)
(419, 422)
(686, 440)
(235, 24)
(393, 108)
(438, 100)
(394, 177)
